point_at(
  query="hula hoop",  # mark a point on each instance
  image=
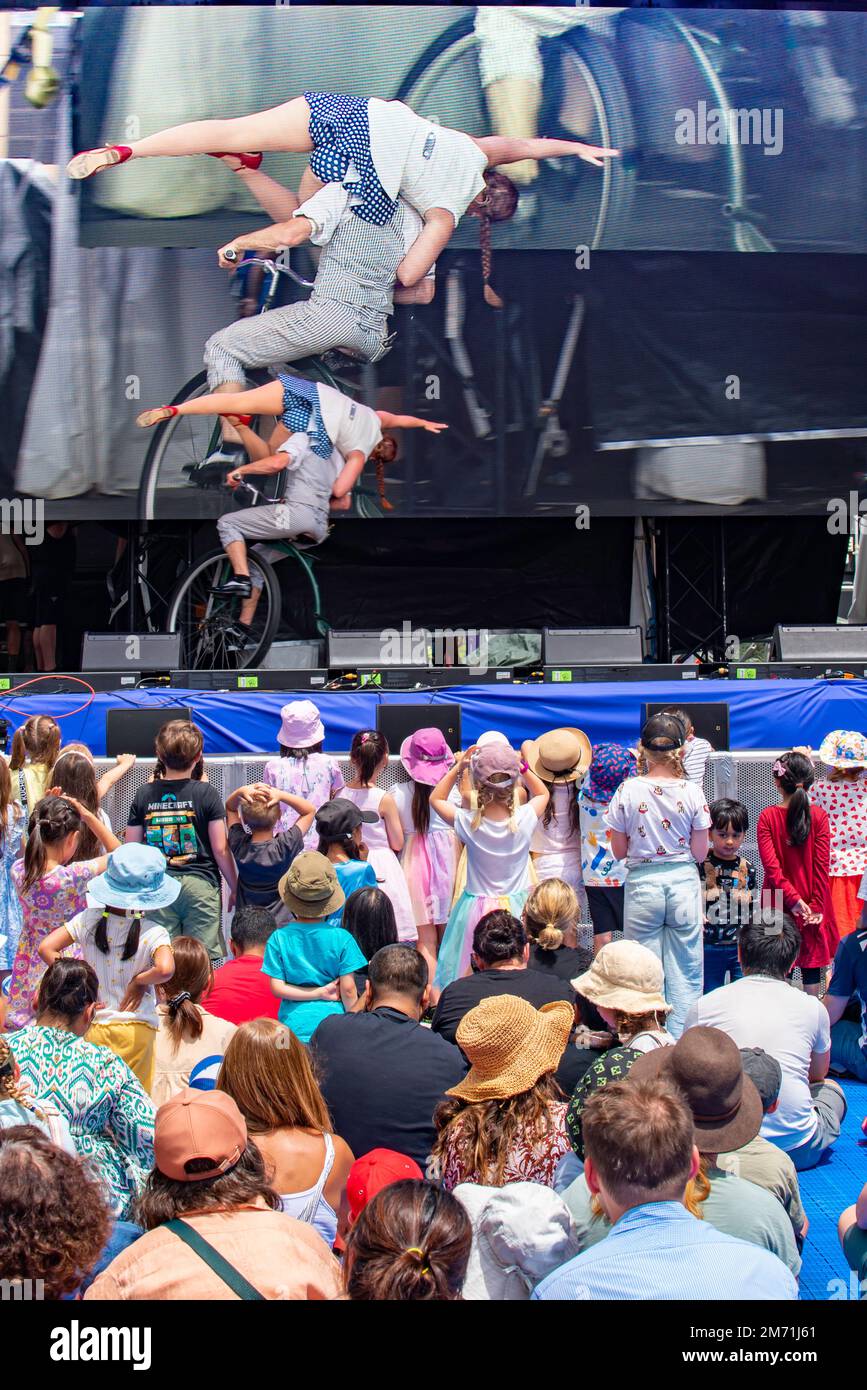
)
(26, 714)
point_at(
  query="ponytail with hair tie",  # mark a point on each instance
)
(491, 296)
(177, 1000)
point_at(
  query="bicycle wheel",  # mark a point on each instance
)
(444, 86)
(205, 621)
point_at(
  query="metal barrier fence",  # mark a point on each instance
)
(742, 776)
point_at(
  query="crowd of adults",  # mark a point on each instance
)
(526, 1025)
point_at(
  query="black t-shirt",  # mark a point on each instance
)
(566, 963)
(462, 995)
(175, 816)
(728, 885)
(383, 1076)
(261, 865)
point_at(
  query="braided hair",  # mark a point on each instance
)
(13, 1088)
(500, 200)
(50, 823)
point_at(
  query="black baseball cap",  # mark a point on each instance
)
(337, 819)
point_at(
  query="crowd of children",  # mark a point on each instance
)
(316, 875)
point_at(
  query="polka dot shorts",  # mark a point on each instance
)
(340, 131)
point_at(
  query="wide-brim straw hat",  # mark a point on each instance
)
(626, 976)
(561, 755)
(510, 1045)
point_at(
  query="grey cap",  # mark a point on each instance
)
(765, 1073)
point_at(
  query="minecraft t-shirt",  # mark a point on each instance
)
(175, 816)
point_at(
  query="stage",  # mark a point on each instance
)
(763, 713)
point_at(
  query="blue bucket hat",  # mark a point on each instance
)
(610, 765)
(135, 878)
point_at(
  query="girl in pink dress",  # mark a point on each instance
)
(384, 840)
(795, 849)
(430, 851)
(52, 890)
(302, 768)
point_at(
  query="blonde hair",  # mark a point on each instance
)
(552, 908)
(505, 793)
(698, 1190)
(672, 758)
(845, 774)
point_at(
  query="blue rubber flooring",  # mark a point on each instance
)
(826, 1191)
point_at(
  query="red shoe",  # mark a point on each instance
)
(155, 416)
(233, 414)
(248, 161)
(81, 166)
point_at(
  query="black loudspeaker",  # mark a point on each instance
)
(832, 643)
(397, 722)
(134, 730)
(592, 646)
(710, 721)
(389, 647)
(132, 651)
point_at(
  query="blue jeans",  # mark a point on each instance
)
(718, 961)
(663, 911)
(845, 1049)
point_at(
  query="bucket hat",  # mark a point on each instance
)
(509, 1045)
(300, 725)
(310, 887)
(624, 975)
(610, 765)
(426, 756)
(844, 748)
(135, 878)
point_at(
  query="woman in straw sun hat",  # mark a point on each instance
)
(842, 794)
(506, 1121)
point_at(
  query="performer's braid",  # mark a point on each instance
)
(491, 296)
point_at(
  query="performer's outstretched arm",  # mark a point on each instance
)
(408, 422)
(274, 238)
(506, 149)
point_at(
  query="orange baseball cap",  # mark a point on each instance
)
(198, 1125)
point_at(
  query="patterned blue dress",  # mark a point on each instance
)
(10, 904)
(340, 131)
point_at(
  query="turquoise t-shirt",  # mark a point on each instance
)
(355, 873)
(310, 953)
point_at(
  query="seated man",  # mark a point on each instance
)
(382, 1074)
(353, 292)
(640, 1155)
(764, 1010)
(849, 981)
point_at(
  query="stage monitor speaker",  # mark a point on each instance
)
(831, 643)
(710, 720)
(134, 730)
(132, 651)
(349, 651)
(592, 646)
(397, 722)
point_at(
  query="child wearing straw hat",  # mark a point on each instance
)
(843, 796)
(497, 833)
(130, 953)
(560, 759)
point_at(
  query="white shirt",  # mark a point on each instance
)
(498, 859)
(333, 204)
(758, 1011)
(846, 805)
(113, 973)
(558, 837)
(350, 424)
(402, 796)
(695, 755)
(659, 818)
(599, 867)
(430, 165)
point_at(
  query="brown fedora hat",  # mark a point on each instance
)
(705, 1064)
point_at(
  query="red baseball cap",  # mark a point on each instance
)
(195, 1125)
(374, 1171)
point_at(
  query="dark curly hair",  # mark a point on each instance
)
(55, 1219)
(162, 1198)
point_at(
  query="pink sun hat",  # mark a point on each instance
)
(301, 725)
(426, 756)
